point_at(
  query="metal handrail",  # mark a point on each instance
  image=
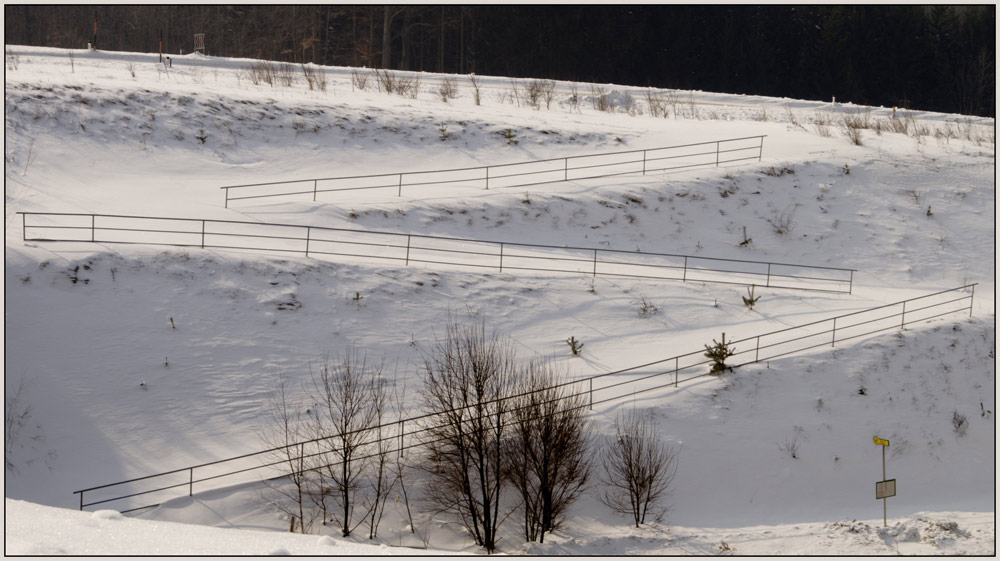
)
(766, 277)
(756, 348)
(486, 176)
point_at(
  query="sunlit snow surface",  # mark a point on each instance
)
(158, 358)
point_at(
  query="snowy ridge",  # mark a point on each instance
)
(123, 360)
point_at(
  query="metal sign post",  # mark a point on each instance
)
(887, 487)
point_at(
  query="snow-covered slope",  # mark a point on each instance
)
(123, 361)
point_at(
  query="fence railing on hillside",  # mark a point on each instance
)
(524, 174)
(410, 433)
(417, 249)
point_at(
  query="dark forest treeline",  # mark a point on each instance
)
(939, 58)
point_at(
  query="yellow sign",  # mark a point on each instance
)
(880, 442)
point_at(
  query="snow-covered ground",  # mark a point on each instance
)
(127, 360)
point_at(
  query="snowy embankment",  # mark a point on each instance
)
(124, 361)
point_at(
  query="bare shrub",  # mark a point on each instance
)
(548, 92)
(657, 104)
(533, 94)
(466, 377)
(409, 87)
(548, 454)
(359, 81)
(600, 99)
(646, 308)
(285, 74)
(792, 118)
(261, 72)
(783, 222)
(392, 83)
(130, 66)
(899, 126)
(386, 80)
(475, 88)
(515, 91)
(284, 428)
(448, 90)
(637, 469)
(574, 98)
(314, 77)
(13, 60)
(853, 124)
(791, 446)
(538, 91)
(629, 105)
(822, 122)
(960, 423)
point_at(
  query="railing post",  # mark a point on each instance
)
(191, 482)
(203, 234)
(972, 299)
(595, 262)
(407, 249)
(760, 153)
(308, 235)
(591, 404)
(487, 178)
(401, 438)
(227, 197)
(850, 286)
(565, 169)
(501, 257)
(677, 370)
(81, 500)
(685, 277)
(93, 228)
(768, 285)
(400, 193)
(756, 356)
(644, 162)
(315, 188)
(24, 227)
(903, 322)
(718, 148)
(834, 341)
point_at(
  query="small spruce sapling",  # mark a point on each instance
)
(574, 345)
(719, 352)
(751, 301)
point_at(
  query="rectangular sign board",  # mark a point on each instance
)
(885, 489)
(880, 442)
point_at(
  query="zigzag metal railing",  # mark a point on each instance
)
(524, 174)
(313, 241)
(753, 349)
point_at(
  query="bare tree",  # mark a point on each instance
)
(344, 420)
(547, 456)
(282, 432)
(381, 477)
(466, 378)
(637, 469)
